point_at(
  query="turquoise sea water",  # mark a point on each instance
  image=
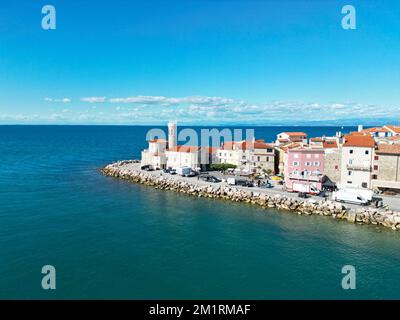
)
(112, 239)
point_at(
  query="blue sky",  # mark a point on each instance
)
(200, 62)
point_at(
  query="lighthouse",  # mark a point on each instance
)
(172, 134)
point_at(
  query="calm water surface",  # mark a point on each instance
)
(112, 239)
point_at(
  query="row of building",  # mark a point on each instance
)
(367, 158)
(248, 156)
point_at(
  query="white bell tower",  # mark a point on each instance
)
(172, 134)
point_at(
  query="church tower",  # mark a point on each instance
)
(172, 134)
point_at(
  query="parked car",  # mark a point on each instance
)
(191, 174)
(173, 172)
(303, 195)
(378, 202)
(322, 194)
(241, 182)
(266, 185)
(213, 179)
(167, 170)
(147, 168)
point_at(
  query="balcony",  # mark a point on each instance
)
(359, 167)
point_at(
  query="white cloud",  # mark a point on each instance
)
(63, 100)
(94, 99)
(207, 110)
(165, 101)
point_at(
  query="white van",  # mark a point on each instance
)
(365, 193)
(349, 196)
(183, 170)
(305, 188)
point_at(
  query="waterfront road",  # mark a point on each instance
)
(391, 202)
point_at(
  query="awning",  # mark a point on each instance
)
(329, 183)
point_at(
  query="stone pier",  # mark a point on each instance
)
(363, 215)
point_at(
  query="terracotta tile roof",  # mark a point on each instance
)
(262, 145)
(356, 133)
(316, 139)
(365, 141)
(388, 149)
(296, 134)
(306, 150)
(372, 130)
(229, 145)
(394, 129)
(289, 146)
(210, 149)
(329, 144)
(188, 149)
(246, 145)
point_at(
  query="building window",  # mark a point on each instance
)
(374, 177)
(376, 157)
(267, 159)
(296, 156)
(375, 167)
(308, 164)
(351, 151)
(308, 156)
(295, 163)
(349, 182)
(350, 161)
(349, 173)
(258, 159)
(366, 151)
(364, 185)
(316, 164)
(317, 156)
(336, 167)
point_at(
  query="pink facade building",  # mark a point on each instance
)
(304, 169)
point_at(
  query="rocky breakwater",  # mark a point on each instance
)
(125, 170)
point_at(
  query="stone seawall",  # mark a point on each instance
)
(386, 218)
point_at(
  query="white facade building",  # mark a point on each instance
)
(288, 137)
(155, 155)
(183, 156)
(252, 156)
(356, 161)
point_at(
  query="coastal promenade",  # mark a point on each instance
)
(269, 198)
